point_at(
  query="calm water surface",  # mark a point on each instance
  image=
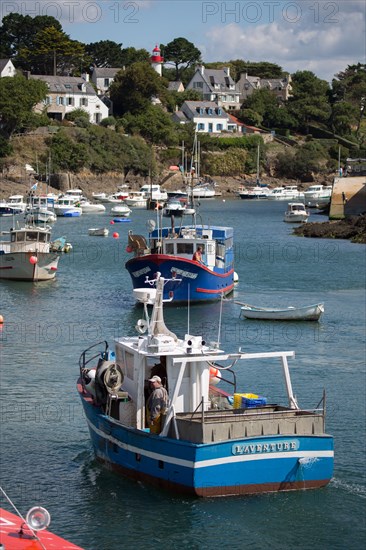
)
(46, 455)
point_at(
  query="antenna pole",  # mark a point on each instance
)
(220, 319)
(188, 319)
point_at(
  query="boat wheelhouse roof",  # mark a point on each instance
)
(218, 232)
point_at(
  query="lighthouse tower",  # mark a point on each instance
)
(156, 60)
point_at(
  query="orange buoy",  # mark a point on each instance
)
(33, 260)
(215, 376)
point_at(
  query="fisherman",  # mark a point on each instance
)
(156, 404)
(197, 256)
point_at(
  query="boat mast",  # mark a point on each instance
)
(257, 182)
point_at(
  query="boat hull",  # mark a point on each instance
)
(309, 313)
(17, 266)
(197, 284)
(236, 467)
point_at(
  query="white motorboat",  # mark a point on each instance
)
(6, 210)
(68, 207)
(284, 193)
(296, 212)
(176, 207)
(317, 193)
(153, 192)
(88, 207)
(121, 210)
(203, 191)
(28, 255)
(17, 201)
(99, 231)
(290, 313)
(257, 192)
(136, 199)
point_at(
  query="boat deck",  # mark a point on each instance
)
(269, 420)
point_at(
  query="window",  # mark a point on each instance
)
(169, 248)
(184, 248)
(209, 111)
(106, 82)
(70, 101)
(197, 84)
(200, 126)
(219, 127)
(210, 127)
(83, 102)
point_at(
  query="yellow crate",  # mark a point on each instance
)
(238, 399)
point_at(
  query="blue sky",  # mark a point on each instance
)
(323, 36)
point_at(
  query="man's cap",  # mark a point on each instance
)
(155, 379)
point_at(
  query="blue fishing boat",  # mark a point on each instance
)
(170, 250)
(209, 442)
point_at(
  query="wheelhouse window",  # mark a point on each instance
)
(184, 248)
(31, 235)
(169, 248)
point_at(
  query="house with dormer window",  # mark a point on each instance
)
(207, 116)
(280, 87)
(102, 78)
(216, 85)
(67, 93)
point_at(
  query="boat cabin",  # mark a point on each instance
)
(40, 201)
(216, 243)
(32, 239)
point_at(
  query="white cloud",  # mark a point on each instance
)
(326, 47)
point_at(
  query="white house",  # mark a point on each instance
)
(208, 117)
(67, 93)
(216, 85)
(102, 78)
(7, 68)
(280, 87)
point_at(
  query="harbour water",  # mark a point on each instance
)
(46, 454)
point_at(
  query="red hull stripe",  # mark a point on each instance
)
(218, 291)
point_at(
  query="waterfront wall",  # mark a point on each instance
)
(348, 197)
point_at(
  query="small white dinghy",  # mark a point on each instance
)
(99, 231)
(304, 313)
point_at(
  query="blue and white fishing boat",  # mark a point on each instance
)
(211, 443)
(170, 251)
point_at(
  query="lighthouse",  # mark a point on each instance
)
(156, 60)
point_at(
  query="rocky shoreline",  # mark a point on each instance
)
(352, 228)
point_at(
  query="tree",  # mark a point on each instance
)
(18, 96)
(19, 31)
(181, 53)
(350, 89)
(263, 69)
(105, 53)
(309, 102)
(176, 99)
(153, 124)
(52, 53)
(133, 89)
(131, 55)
